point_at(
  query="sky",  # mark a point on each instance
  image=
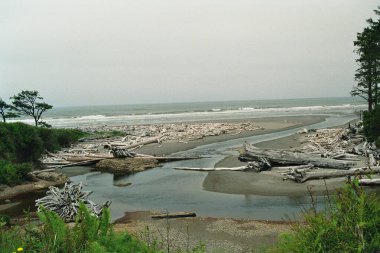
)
(98, 52)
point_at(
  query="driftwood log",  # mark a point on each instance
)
(286, 157)
(173, 215)
(65, 202)
(369, 181)
(256, 166)
(303, 176)
(241, 168)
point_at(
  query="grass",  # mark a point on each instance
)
(88, 235)
(349, 223)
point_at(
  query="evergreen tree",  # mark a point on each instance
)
(368, 73)
(30, 103)
(5, 111)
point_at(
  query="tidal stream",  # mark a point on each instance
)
(165, 189)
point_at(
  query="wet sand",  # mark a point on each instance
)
(218, 234)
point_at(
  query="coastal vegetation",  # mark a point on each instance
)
(368, 75)
(21, 146)
(87, 234)
(349, 223)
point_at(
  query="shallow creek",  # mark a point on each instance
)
(165, 189)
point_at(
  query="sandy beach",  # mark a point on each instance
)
(269, 125)
(228, 234)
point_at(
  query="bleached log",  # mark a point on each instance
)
(287, 169)
(88, 162)
(41, 171)
(303, 177)
(148, 141)
(168, 158)
(65, 202)
(371, 160)
(369, 182)
(286, 157)
(173, 215)
(345, 156)
(241, 168)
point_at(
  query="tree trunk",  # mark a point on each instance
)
(301, 177)
(367, 181)
(286, 157)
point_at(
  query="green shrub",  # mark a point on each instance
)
(88, 235)
(12, 174)
(350, 224)
(5, 220)
(24, 143)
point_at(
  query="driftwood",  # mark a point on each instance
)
(173, 215)
(241, 168)
(65, 202)
(286, 157)
(369, 182)
(169, 158)
(301, 177)
(289, 169)
(148, 141)
(252, 166)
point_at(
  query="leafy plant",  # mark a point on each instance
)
(350, 224)
(12, 174)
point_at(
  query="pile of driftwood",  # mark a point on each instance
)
(326, 153)
(94, 149)
(88, 154)
(65, 202)
(181, 132)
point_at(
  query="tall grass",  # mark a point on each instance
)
(88, 235)
(351, 223)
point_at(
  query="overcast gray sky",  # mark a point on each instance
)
(84, 52)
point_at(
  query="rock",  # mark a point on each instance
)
(7, 201)
(126, 166)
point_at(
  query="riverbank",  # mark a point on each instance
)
(217, 234)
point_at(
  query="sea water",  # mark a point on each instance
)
(72, 117)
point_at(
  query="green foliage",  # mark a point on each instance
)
(30, 103)
(88, 235)
(367, 75)
(21, 143)
(13, 174)
(55, 139)
(4, 220)
(25, 143)
(371, 123)
(28, 145)
(350, 224)
(6, 111)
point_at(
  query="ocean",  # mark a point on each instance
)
(82, 116)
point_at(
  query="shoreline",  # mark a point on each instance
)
(270, 125)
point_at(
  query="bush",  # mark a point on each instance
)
(89, 234)
(24, 143)
(13, 174)
(350, 224)
(55, 139)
